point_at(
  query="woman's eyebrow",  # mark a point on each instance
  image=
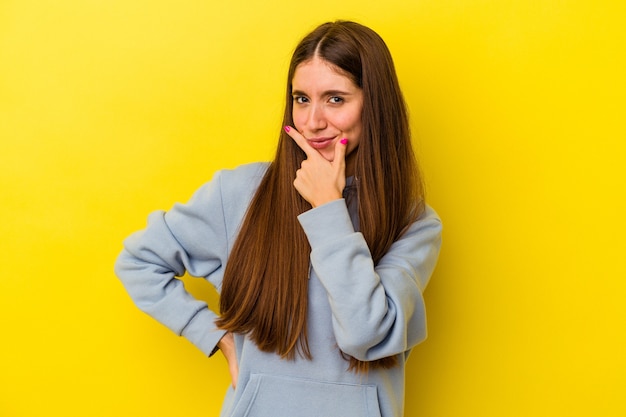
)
(324, 94)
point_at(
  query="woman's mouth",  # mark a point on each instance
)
(320, 143)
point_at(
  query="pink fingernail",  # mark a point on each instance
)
(287, 129)
(343, 141)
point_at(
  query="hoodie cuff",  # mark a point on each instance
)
(326, 222)
(202, 336)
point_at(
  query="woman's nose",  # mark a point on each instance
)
(316, 119)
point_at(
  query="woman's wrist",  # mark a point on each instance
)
(320, 201)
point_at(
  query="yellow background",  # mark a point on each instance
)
(112, 109)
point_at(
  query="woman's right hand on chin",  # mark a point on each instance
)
(319, 181)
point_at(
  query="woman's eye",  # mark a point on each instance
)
(336, 100)
(300, 99)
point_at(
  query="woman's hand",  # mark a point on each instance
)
(227, 346)
(318, 180)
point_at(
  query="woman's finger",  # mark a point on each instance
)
(301, 142)
(339, 160)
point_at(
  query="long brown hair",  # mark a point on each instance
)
(265, 285)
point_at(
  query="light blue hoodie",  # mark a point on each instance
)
(368, 312)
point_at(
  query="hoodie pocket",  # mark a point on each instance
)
(273, 396)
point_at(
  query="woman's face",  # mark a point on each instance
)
(326, 107)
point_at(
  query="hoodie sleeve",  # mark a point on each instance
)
(189, 238)
(377, 311)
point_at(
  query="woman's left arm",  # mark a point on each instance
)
(377, 311)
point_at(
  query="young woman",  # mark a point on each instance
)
(320, 256)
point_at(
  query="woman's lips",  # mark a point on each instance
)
(320, 143)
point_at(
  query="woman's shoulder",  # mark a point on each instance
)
(429, 214)
(239, 184)
(242, 177)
